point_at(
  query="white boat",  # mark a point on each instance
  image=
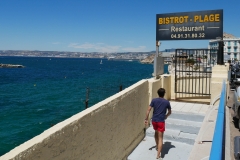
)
(101, 62)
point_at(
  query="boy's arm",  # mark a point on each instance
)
(168, 113)
(147, 114)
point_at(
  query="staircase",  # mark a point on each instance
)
(179, 137)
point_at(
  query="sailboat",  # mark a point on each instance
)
(101, 62)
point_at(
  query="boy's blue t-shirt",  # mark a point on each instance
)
(160, 106)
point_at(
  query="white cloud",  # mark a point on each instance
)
(82, 46)
(99, 47)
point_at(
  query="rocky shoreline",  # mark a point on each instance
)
(148, 60)
(11, 66)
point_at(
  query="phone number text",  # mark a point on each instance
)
(192, 35)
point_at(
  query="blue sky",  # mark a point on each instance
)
(99, 25)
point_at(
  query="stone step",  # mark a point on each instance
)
(187, 116)
(175, 135)
(180, 127)
(183, 128)
(182, 122)
(178, 136)
(185, 119)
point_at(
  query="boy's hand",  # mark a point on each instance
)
(146, 122)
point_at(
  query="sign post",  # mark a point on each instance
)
(198, 25)
(158, 62)
(220, 56)
(189, 25)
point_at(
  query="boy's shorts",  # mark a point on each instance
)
(159, 126)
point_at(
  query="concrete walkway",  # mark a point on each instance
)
(188, 135)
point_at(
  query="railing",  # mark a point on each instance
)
(217, 150)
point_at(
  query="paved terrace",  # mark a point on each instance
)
(188, 135)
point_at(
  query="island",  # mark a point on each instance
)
(11, 66)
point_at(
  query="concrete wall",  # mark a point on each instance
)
(154, 85)
(110, 129)
(163, 82)
(219, 73)
(173, 95)
(167, 84)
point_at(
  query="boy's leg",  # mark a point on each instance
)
(156, 139)
(160, 143)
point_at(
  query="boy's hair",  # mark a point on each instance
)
(161, 92)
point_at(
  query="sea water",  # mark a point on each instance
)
(49, 90)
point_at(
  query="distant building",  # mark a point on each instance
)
(168, 53)
(169, 50)
(231, 46)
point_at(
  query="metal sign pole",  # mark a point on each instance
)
(157, 48)
(220, 55)
(155, 59)
(158, 62)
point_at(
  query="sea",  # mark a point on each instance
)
(49, 90)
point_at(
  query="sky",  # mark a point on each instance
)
(100, 25)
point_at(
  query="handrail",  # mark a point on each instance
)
(219, 136)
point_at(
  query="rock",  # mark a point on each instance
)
(148, 60)
(11, 66)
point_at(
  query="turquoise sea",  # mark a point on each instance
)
(49, 90)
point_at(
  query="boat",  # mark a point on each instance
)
(101, 62)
